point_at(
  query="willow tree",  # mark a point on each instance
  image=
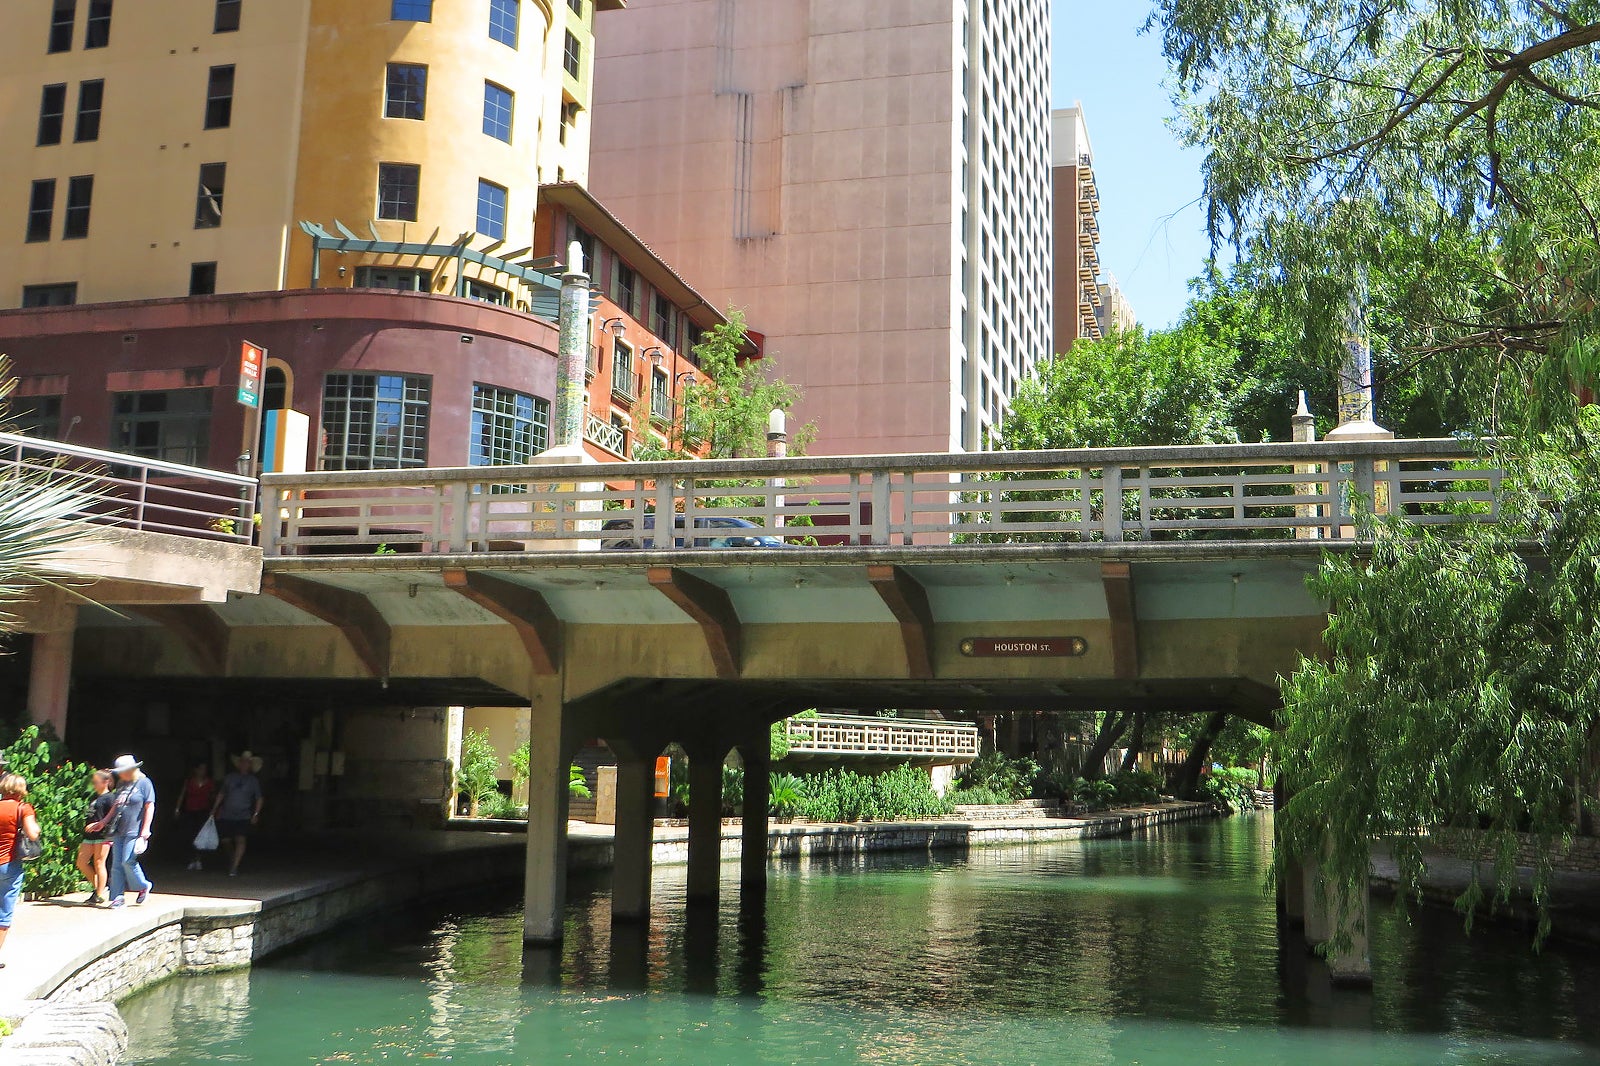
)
(1439, 159)
(1447, 149)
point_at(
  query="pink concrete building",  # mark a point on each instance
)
(871, 181)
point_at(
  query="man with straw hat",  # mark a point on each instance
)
(238, 806)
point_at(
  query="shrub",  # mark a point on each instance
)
(732, 790)
(904, 793)
(1058, 785)
(1098, 793)
(1231, 788)
(979, 796)
(478, 776)
(1136, 786)
(785, 793)
(522, 769)
(61, 795)
(995, 772)
(497, 805)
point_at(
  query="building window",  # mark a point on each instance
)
(227, 20)
(577, 7)
(62, 16)
(572, 55)
(61, 295)
(508, 428)
(663, 317)
(489, 294)
(219, 98)
(497, 111)
(52, 113)
(406, 91)
(399, 279)
(491, 209)
(660, 396)
(569, 118)
(375, 421)
(36, 416)
(504, 16)
(625, 288)
(91, 98)
(202, 279)
(97, 31)
(208, 198)
(80, 198)
(397, 190)
(586, 241)
(623, 386)
(41, 209)
(412, 11)
(173, 427)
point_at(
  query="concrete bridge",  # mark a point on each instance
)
(1166, 577)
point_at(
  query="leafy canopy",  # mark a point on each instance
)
(1447, 149)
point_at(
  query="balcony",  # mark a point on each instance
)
(890, 739)
(603, 434)
(660, 407)
(624, 387)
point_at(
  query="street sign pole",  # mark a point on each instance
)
(252, 368)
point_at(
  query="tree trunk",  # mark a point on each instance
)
(1111, 731)
(1130, 758)
(1188, 779)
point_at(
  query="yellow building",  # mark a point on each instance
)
(159, 148)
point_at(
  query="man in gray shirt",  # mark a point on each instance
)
(238, 806)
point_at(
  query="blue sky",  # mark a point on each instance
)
(1152, 231)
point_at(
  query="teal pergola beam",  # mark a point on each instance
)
(460, 250)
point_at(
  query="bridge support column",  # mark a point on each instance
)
(550, 746)
(1327, 911)
(635, 837)
(705, 823)
(757, 755)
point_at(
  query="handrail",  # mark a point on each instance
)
(878, 737)
(1229, 491)
(150, 495)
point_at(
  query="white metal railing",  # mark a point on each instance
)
(143, 494)
(603, 434)
(882, 737)
(1212, 492)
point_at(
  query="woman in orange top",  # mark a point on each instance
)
(16, 818)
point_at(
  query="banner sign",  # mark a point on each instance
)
(252, 359)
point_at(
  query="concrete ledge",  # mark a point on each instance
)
(55, 1035)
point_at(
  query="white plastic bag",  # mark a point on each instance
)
(206, 839)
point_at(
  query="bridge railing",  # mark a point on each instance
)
(844, 736)
(142, 494)
(1217, 492)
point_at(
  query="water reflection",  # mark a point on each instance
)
(1163, 949)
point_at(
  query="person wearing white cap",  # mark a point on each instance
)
(131, 818)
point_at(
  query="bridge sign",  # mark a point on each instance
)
(1023, 647)
(251, 359)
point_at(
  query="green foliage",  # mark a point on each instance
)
(995, 772)
(521, 768)
(904, 793)
(1135, 786)
(978, 796)
(786, 794)
(1231, 789)
(1448, 151)
(1097, 793)
(732, 790)
(1461, 689)
(61, 794)
(478, 776)
(498, 805)
(723, 413)
(577, 786)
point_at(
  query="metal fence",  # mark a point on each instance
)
(1217, 492)
(143, 494)
(882, 737)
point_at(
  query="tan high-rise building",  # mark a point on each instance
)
(870, 180)
(158, 148)
(1077, 231)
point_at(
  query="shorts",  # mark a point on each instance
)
(11, 875)
(96, 841)
(233, 827)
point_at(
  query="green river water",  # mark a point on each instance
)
(1157, 950)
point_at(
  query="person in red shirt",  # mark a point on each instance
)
(16, 817)
(194, 807)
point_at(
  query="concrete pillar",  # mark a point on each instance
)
(1292, 890)
(757, 755)
(705, 823)
(1328, 911)
(635, 837)
(550, 746)
(50, 680)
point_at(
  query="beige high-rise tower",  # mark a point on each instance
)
(870, 181)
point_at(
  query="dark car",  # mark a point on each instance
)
(734, 537)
